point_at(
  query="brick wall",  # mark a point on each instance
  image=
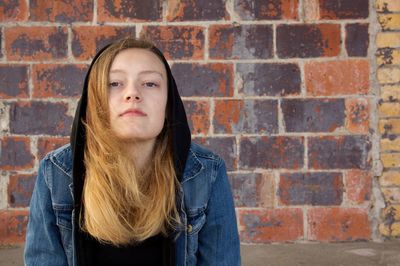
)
(283, 90)
(388, 75)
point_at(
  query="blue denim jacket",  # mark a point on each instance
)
(206, 209)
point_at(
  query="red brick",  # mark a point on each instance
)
(13, 227)
(191, 10)
(267, 10)
(308, 40)
(358, 186)
(15, 153)
(13, 10)
(58, 81)
(129, 10)
(61, 11)
(240, 42)
(271, 152)
(45, 145)
(40, 118)
(177, 42)
(87, 40)
(209, 80)
(248, 116)
(344, 77)
(198, 113)
(20, 190)
(357, 39)
(343, 9)
(271, 225)
(357, 115)
(338, 224)
(322, 188)
(36, 43)
(14, 81)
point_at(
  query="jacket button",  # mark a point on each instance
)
(190, 228)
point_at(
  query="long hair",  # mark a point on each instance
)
(122, 205)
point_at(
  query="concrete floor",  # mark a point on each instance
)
(340, 254)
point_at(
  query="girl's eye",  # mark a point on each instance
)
(114, 84)
(150, 84)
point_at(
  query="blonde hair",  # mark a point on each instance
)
(120, 204)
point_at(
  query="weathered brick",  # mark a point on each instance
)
(388, 39)
(357, 115)
(129, 10)
(269, 79)
(15, 153)
(271, 152)
(252, 189)
(14, 81)
(36, 43)
(13, 10)
(40, 118)
(344, 152)
(343, 9)
(198, 113)
(248, 116)
(390, 230)
(190, 10)
(390, 93)
(271, 225)
(338, 224)
(177, 42)
(391, 212)
(390, 159)
(211, 80)
(389, 126)
(308, 40)
(387, 6)
(391, 194)
(387, 56)
(61, 11)
(358, 186)
(313, 115)
(13, 227)
(389, 109)
(87, 40)
(390, 178)
(20, 190)
(357, 39)
(267, 10)
(45, 145)
(390, 144)
(310, 10)
(388, 75)
(58, 80)
(310, 188)
(389, 21)
(337, 77)
(224, 147)
(240, 42)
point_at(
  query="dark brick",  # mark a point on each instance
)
(308, 40)
(343, 152)
(15, 153)
(36, 43)
(20, 190)
(271, 152)
(313, 115)
(58, 80)
(45, 145)
(61, 11)
(343, 9)
(13, 226)
(14, 81)
(357, 39)
(198, 113)
(129, 10)
(212, 80)
(177, 42)
(224, 147)
(311, 188)
(40, 118)
(241, 42)
(267, 10)
(191, 10)
(269, 79)
(88, 40)
(385, 55)
(13, 10)
(248, 116)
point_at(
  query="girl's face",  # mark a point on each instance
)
(137, 95)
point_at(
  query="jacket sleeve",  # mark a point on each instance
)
(218, 239)
(43, 240)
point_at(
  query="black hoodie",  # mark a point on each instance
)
(177, 123)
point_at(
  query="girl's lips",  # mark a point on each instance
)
(133, 112)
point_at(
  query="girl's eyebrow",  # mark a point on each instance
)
(140, 73)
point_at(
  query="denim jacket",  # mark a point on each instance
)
(206, 210)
